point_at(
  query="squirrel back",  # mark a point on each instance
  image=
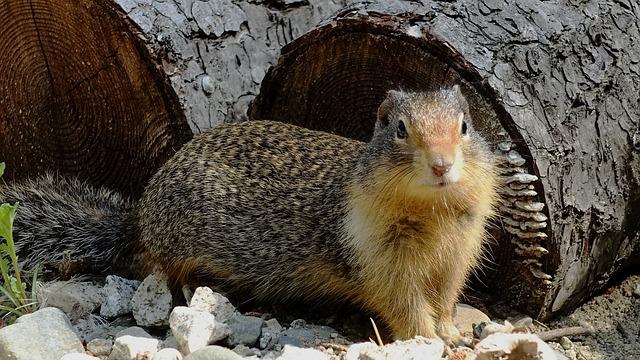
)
(250, 206)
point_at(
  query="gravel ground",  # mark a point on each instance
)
(615, 315)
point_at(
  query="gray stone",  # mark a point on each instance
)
(151, 303)
(100, 347)
(131, 342)
(466, 316)
(76, 299)
(207, 300)
(78, 356)
(167, 354)
(271, 329)
(294, 353)
(118, 294)
(244, 330)
(44, 334)
(213, 352)
(245, 351)
(636, 291)
(291, 340)
(170, 342)
(195, 329)
(302, 335)
(417, 348)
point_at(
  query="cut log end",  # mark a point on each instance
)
(334, 78)
(79, 90)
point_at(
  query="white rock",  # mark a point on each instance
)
(131, 342)
(415, 349)
(76, 299)
(466, 316)
(100, 347)
(213, 352)
(206, 300)
(195, 329)
(118, 294)
(167, 354)
(294, 353)
(501, 345)
(493, 328)
(45, 334)
(78, 356)
(151, 303)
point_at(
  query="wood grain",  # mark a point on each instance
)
(81, 95)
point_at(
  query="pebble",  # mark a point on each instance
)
(207, 84)
(170, 342)
(271, 329)
(296, 353)
(245, 351)
(417, 348)
(151, 304)
(45, 334)
(118, 294)
(244, 330)
(522, 321)
(79, 356)
(636, 291)
(100, 347)
(195, 329)
(213, 352)
(571, 354)
(167, 354)
(131, 342)
(206, 300)
(302, 335)
(566, 343)
(76, 299)
(466, 316)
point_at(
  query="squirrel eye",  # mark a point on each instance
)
(402, 130)
(464, 128)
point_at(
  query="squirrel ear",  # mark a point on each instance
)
(385, 108)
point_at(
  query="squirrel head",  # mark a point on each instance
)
(431, 135)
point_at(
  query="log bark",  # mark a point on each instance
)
(553, 84)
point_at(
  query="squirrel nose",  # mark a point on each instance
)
(440, 170)
(440, 165)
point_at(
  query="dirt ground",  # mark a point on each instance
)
(615, 315)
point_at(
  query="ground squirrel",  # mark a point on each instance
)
(287, 213)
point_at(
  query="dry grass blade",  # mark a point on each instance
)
(375, 329)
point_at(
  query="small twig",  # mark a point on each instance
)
(554, 334)
(375, 329)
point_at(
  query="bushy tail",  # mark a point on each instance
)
(70, 227)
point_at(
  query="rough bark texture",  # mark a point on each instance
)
(561, 78)
(79, 95)
(217, 52)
